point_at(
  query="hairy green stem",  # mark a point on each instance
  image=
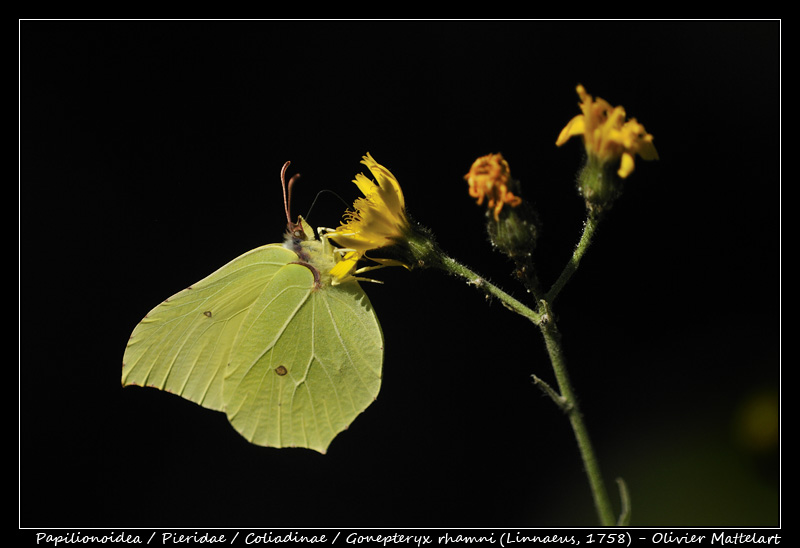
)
(625, 499)
(552, 339)
(589, 228)
(454, 267)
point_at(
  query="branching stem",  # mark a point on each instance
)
(565, 396)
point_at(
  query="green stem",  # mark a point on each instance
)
(553, 342)
(589, 227)
(625, 500)
(544, 319)
(454, 267)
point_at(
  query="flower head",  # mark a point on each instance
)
(376, 220)
(607, 136)
(489, 178)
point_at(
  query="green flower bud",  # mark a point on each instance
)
(599, 184)
(515, 231)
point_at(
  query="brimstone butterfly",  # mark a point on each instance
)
(290, 355)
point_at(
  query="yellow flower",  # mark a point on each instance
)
(489, 178)
(607, 136)
(377, 220)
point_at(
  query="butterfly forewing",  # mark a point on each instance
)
(183, 345)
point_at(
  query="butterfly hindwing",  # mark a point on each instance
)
(302, 380)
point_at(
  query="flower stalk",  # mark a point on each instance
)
(589, 228)
(569, 403)
(450, 265)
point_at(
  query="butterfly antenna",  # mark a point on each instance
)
(308, 213)
(287, 192)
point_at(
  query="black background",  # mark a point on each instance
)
(150, 154)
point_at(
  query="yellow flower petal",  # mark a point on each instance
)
(376, 220)
(606, 135)
(625, 165)
(388, 187)
(647, 151)
(574, 127)
(345, 266)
